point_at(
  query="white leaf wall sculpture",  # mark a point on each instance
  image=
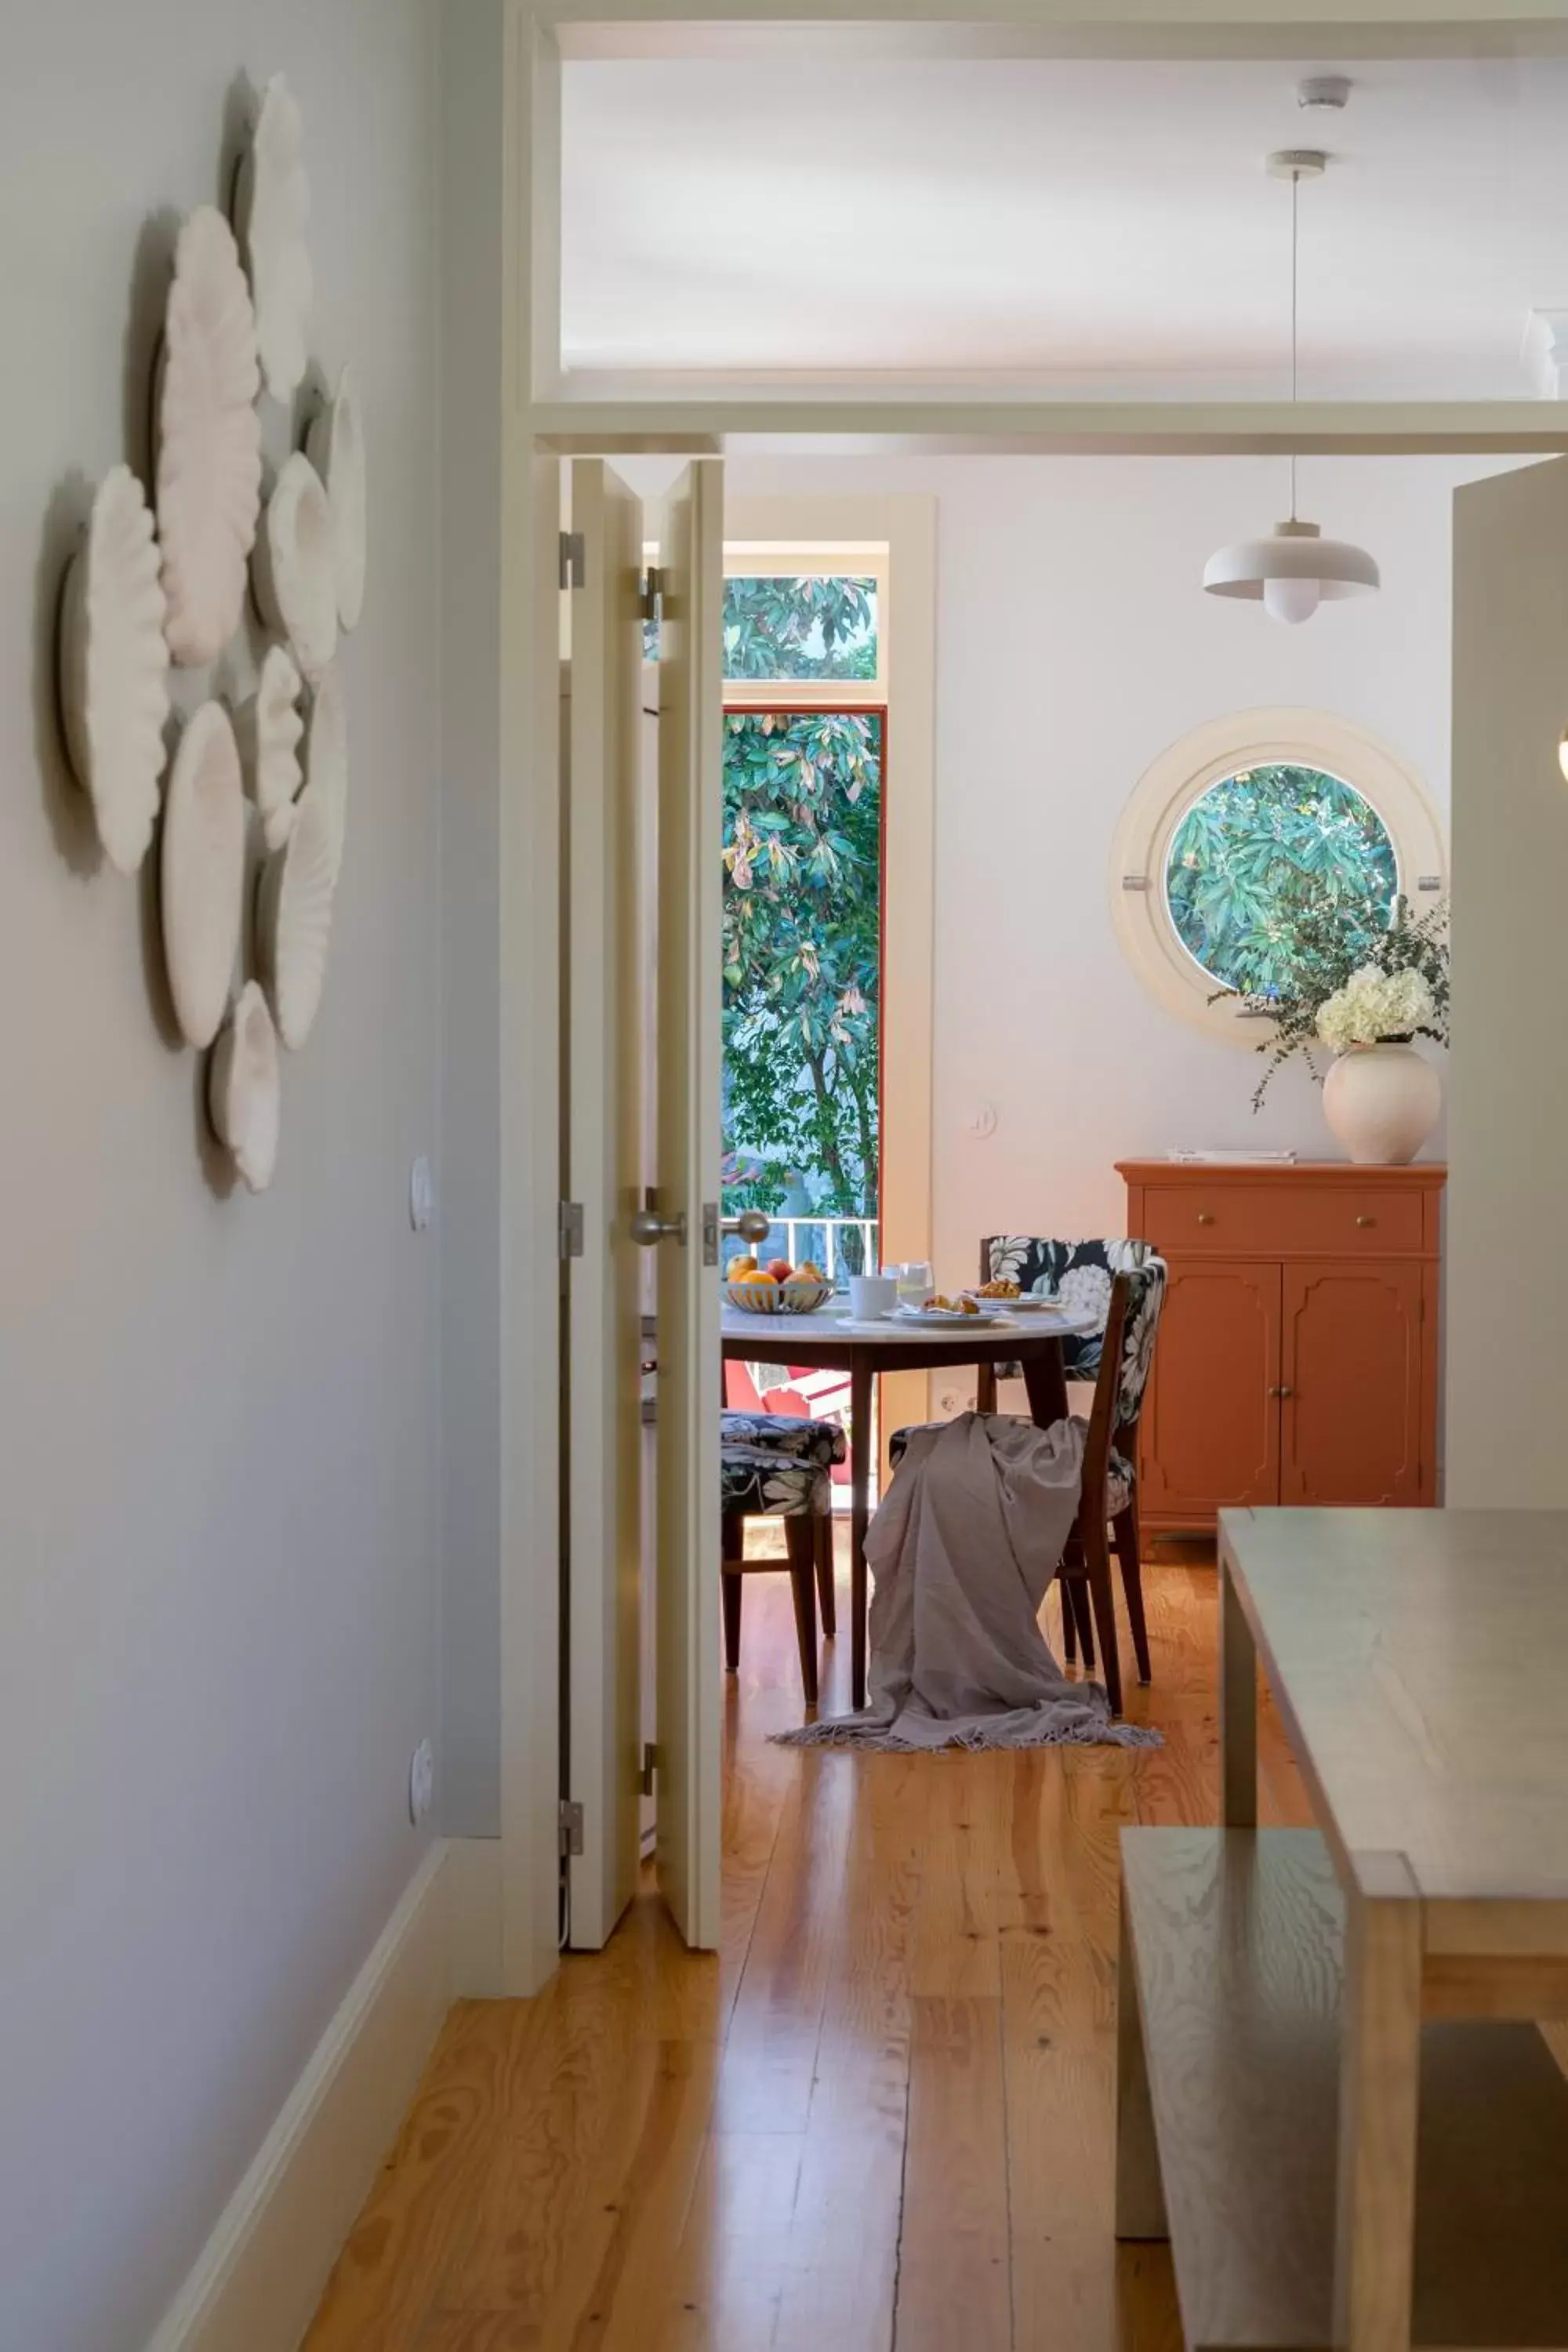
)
(269, 727)
(203, 872)
(294, 923)
(327, 763)
(292, 567)
(272, 207)
(335, 443)
(244, 1088)
(209, 440)
(114, 668)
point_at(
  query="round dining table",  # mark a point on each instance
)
(830, 1341)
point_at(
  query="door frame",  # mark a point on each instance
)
(501, 64)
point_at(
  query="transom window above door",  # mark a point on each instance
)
(1238, 828)
(788, 627)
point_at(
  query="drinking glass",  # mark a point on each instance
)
(916, 1283)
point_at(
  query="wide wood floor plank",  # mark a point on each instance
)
(955, 2278)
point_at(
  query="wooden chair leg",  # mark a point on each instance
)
(825, 1600)
(730, 1585)
(799, 1535)
(731, 1547)
(1083, 1619)
(1104, 1599)
(1077, 1625)
(1124, 1527)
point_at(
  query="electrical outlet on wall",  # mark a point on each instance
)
(421, 1782)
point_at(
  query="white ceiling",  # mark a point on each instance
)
(1090, 228)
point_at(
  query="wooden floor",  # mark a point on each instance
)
(882, 2116)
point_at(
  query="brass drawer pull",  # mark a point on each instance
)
(1282, 1391)
(1366, 1221)
(1204, 1218)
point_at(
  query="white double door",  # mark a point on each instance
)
(643, 858)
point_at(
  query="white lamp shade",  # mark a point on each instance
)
(1294, 551)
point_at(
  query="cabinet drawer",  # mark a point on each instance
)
(1314, 1220)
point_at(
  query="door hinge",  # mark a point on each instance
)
(652, 596)
(573, 560)
(571, 1827)
(569, 1227)
(709, 1233)
(650, 1767)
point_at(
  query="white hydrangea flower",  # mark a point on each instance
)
(1373, 1005)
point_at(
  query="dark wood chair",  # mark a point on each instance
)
(1108, 1503)
(760, 1482)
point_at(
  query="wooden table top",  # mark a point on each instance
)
(835, 1327)
(1418, 1659)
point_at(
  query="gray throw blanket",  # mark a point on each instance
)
(964, 1548)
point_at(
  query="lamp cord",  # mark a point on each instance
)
(1295, 189)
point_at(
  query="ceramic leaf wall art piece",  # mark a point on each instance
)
(203, 872)
(269, 727)
(294, 923)
(209, 440)
(244, 1088)
(114, 668)
(327, 763)
(164, 582)
(271, 210)
(335, 445)
(296, 580)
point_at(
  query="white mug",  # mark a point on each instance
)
(871, 1296)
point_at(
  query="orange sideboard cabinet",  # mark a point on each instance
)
(1297, 1360)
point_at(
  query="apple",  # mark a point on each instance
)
(780, 1268)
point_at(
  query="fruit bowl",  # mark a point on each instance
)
(778, 1298)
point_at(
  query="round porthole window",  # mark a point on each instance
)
(1257, 847)
(1240, 826)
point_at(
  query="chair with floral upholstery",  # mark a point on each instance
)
(1108, 1497)
(1123, 1283)
(798, 1437)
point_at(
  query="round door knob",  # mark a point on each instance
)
(1204, 1217)
(752, 1225)
(648, 1227)
(1282, 1392)
(1366, 1221)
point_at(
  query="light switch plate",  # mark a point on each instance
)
(421, 1194)
(421, 1782)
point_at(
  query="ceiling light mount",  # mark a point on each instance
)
(1297, 164)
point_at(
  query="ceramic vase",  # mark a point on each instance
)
(1382, 1103)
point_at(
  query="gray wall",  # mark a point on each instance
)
(218, 1475)
(1508, 1118)
(472, 195)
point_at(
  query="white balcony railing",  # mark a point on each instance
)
(840, 1246)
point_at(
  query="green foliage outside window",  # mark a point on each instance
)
(822, 628)
(1257, 850)
(802, 957)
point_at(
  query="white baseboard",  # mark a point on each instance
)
(259, 2277)
(473, 1904)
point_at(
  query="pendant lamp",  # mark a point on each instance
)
(1295, 567)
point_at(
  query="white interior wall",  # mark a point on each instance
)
(1073, 643)
(1509, 1120)
(218, 1487)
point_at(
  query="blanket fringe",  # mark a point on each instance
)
(883, 1739)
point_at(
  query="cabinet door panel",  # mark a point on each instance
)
(1351, 1427)
(1211, 1426)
